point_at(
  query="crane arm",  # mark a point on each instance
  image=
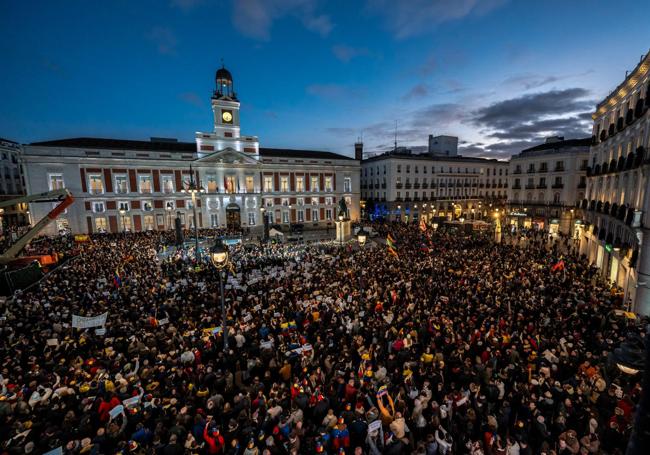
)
(63, 196)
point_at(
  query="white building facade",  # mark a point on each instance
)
(616, 206)
(123, 185)
(407, 187)
(545, 183)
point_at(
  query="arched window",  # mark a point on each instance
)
(540, 197)
(556, 198)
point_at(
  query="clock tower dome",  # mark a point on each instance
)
(225, 105)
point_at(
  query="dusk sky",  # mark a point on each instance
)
(313, 74)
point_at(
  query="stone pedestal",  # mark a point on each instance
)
(343, 231)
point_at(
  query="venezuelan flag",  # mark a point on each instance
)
(117, 279)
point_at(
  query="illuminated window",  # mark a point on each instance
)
(300, 184)
(56, 182)
(268, 183)
(328, 184)
(314, 183)
(167, 183)
(95, 184)
(144, 183)
(347, 185)
(121, 184)
(250, 184)
(284, 184)
(212, 183)
(231, 184)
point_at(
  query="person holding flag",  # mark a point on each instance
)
(392, 246)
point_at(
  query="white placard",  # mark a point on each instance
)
(266, 345)
(53, 342)
(100, 332)
(247, 318)
(81, 322)
(163, 321)
(374, 426)
(117, 410)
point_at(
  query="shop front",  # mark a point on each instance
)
(554, 226)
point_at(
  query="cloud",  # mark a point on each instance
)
(164, 39)
(408, 18)
(254, 18)
(416, 92)
(185, 5)
(507, 114)
(529, 81)
(191, 98)
(438, 115)
(347, 53)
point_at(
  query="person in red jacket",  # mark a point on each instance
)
(213, 438)
(108, 402)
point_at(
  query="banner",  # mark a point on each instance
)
(81, 322)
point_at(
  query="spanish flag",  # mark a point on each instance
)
(558, 266)
(390, 243)
(423, 226)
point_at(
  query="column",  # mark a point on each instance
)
(642, 303)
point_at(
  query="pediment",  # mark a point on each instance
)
(228, 156)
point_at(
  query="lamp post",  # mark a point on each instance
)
(265, 220)
(362, 238)
(219, 259)
(123, 216)
(194, 188)
(497, 227)
(340, 230)
(169, 216)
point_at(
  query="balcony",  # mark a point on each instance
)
(408, 186)
(517, 171)
(383, 186)
(557, 186)
(398, 186)
(376, 186)
(542, 186)
(425, 186)
(543, 169)
(582, 185)
(558, 169)
(398, 199)
(530, 187)
(416, 186)
(531, 170)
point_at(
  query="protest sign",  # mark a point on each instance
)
(117, 410)
(82, 322)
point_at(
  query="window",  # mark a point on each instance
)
(328, 200)
(148, 222)
(95, 184)
(301, 201)
(214, 220)
(300, 184)
(251, 218)
(250, 184)
(284, 183)
(301, 216)
(231, 184)
(268, 183)
(213, 203)
(212, 183)
(122, 205)
(121, 184)
(167, 183)
(144, 183)
(285, 201)
(170, 205)
(328, 214)
(56, 182)
(556, 198)
(347, 185)
(269, 202)
(328, 183)
(100, 224)
(314, 201)
(408, 168)
(147, 206)
(189, 204)
(285, 217)
(399, 168)
(251, 202)
(314, 215)
(99, 207)
(314, 183)
(126, 222)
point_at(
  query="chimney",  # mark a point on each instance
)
(358, 151)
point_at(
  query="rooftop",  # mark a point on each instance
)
(171, 145)
(428, 157)
(557, 146)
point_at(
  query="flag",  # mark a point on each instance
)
(117, 279)
(423, 226)
(558, 266)
(392, 247)
(393, 295)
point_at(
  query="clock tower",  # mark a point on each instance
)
(226, 134)
(225, 106)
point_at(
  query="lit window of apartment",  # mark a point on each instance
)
(285, 201)
(99, 207)
(314, 201)
(121, 184)
(101, 225)
(328, 200)
(284, 183)
(250, 184)
(144, 183)
(148, 222)
(301, 201)
(147, 206)
(300, 184)
(170, 205)
(328, 183)
(231, 184)
(167, 183)
(268, 183)
(55, 182)
(95, 184)
(347, 185)
(314, 183)
(123, 205)
(213, 187)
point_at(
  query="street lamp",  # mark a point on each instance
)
(122, 214)
(193, 188)
(219, 259)
(265, 220)
(362, 237)
(169, 209)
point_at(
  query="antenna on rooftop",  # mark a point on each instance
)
(395, 135)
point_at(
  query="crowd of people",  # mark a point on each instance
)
(455, 344)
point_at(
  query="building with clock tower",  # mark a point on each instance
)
(138, 185)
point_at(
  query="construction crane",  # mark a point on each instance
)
(65, 199)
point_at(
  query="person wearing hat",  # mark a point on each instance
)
(213, 438)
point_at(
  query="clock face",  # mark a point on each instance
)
(226, 116)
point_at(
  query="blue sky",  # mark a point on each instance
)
(317, 74)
